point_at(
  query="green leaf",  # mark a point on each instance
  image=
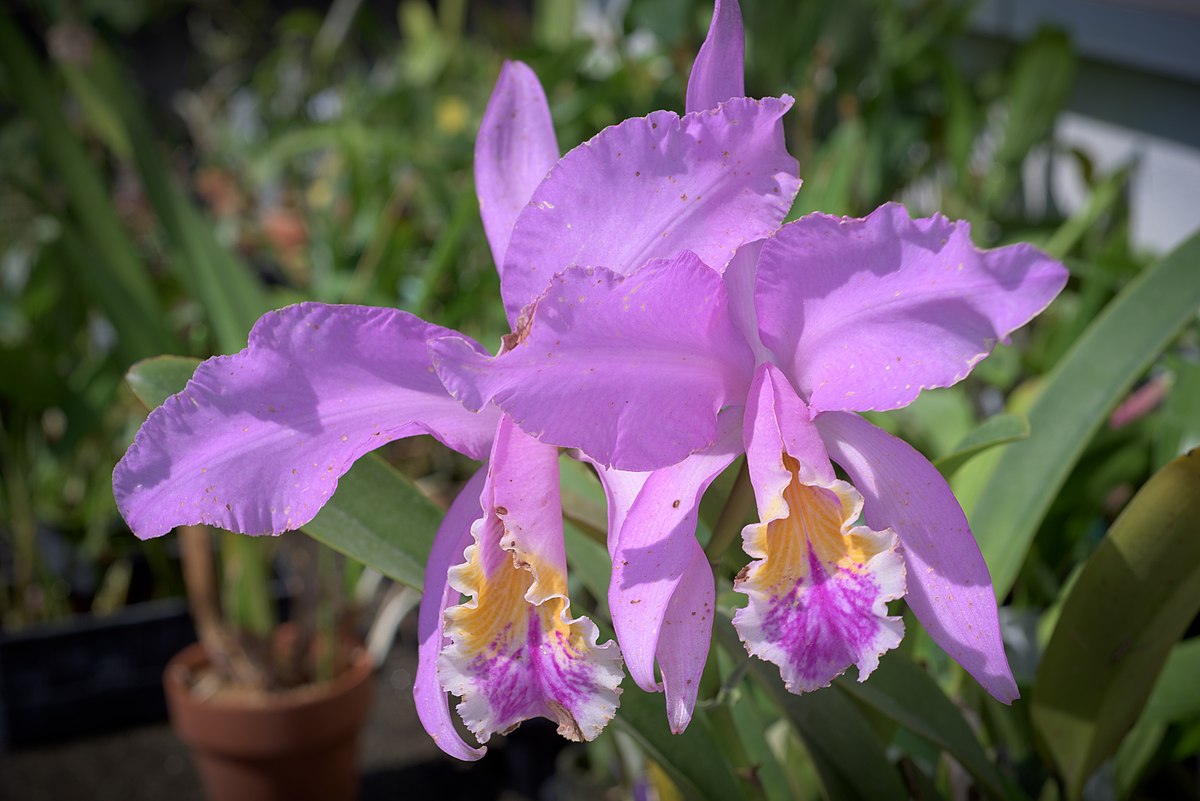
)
(230, 294)
(1039, 84)
(155, 379)
(831, 180)
(1103, 198)
(1133, 600)
(1174, 697)
(751, 723)
(98, 249)
(999, 430)
(848, 753)
(380, 518)
(694, 758)
(1077, 396)
(905, 693)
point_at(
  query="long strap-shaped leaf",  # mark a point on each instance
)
(231, 295)
(102, 253)
(1081, 391)
(1133, 600)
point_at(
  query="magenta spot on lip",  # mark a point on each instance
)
(825, 626)
(518, 684)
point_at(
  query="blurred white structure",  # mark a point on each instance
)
(1136, 97)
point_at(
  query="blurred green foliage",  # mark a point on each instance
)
(169, 170)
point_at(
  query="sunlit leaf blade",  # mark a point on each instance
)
(1175, 695)
(846, 749)
(1133, 600)
(377, 515)
(1100, 202)
(752, 723)
(905, 693)
(380, 518)
(999, 430)
(1077, 397)
(155, 379)
(694, 759)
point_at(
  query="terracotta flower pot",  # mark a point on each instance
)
(297, 745)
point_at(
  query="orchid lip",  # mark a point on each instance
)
(820, 585)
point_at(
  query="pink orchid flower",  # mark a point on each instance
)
(257, 441)
(675, 370)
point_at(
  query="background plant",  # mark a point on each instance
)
(158, 205)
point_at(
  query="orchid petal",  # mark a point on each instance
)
(685, 638)
(630, 370)
(621, 488)
(653, 555)
(739, 277)
(515, 652)
(257, 441)
(514, 151)
(651, 187)
(717, 72)
(453, 535)
(867, 313)
(949, 588)
(820, 584)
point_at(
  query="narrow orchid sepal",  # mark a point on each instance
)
(514, 651)
(685, 638)
(514, 151)
(651, 187)
(453, 536)
(819, 586)
(257, 441)
(949, 587)
(865, 313)
(652, 557)
(718, 71)
(665, 373)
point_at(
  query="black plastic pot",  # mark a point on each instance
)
(88, 675)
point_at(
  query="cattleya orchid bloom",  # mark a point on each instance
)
(257, 441)
(674, 371)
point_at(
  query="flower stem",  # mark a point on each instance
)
(737, 506)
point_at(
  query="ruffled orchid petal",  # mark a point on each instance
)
(718, 71)
(949, 587)
(257, 441)
(652, 557)
(651, 187)
(865, 313)
(820, 584)
(514, 151)
(453, 536)
(632, 371)
(515, 652)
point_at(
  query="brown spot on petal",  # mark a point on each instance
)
(567, 726)
(524, 324)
